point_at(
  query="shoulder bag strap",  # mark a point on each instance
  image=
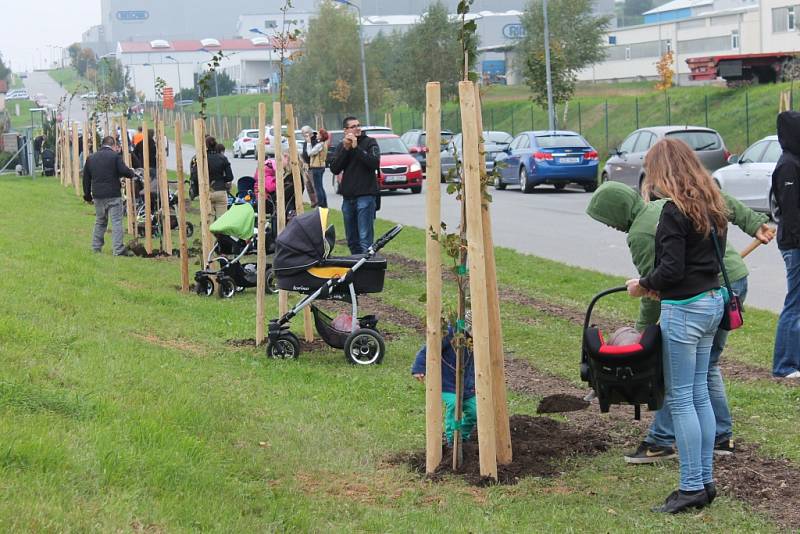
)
(719, 259)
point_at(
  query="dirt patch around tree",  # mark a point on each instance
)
(540, 447)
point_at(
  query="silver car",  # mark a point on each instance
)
(494, 142)
(748, 178)
(625, 163)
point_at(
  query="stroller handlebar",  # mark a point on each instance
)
(385, 238)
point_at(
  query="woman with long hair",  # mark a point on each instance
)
(686, 280)
(317, 155)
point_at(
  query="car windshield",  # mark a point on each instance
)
(446, 137)
(698, 140)
(497, 138)
(391, 145)
(561, 141)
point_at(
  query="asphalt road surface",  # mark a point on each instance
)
(547, 223)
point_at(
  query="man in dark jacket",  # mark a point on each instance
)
(101, 185)
(38, 141)
(786, 187)
(358, 157)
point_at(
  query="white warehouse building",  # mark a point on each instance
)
(696, 28)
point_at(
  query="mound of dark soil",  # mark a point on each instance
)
(540, 447)
(560, 402)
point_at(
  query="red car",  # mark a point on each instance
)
(399, 169)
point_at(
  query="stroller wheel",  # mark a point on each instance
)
(364, 347)
(189, 229)
(204, 287)
(287, 346)
(227, 288)
(271, 286)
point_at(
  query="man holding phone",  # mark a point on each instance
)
(358, 158)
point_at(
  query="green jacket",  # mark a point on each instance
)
(623, 209)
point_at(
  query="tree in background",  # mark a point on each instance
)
(665, 72)
(430, 51)
(326, 77)
(576, 42)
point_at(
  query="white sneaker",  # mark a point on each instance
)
(795, 374)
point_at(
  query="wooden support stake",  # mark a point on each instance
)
(238, 125)
(60, 153)
(163, 190)
(283, 298)
(86, 133)
(182, 239)
(202, 182)
(148, 208)
(129, 189)
(226, 131)
(297, 180)
(477, 284)
(433, 285)
(76, 160)
(261, 251)
(500, 396)
(389, 122)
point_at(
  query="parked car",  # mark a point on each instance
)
(245, 143)
(493, 144)
(398, 168)
(748, 177)
(625, 163)
(557, 157)
(92, 95)
(335, 137)
(416, 141)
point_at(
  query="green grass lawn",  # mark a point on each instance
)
(124, 407)
(70, 80)
(23, 120)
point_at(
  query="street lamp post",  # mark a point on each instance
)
(363, 60)
(177, 64)
(551, 118)
(155, 90)
(269, 62)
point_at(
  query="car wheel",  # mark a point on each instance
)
(524, 185)
(774, 212)
(235, 154)
(604, 177)
(590, 188)
(498, 183)
(559, 187)
(641, 182)
(416, 190)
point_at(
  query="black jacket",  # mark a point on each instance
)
(786, 180)
(138, 151)
(219, 171)
(102, 173)
(686, 263)
(360, 166)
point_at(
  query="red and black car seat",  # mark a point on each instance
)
(623, 374)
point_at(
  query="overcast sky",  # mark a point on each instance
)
(30, 25)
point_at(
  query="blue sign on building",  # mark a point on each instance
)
(513, 31)
(132, 16)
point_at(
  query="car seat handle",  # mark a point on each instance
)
(597, 297)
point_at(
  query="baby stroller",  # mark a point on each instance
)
(622, 374)
(303, 263)
(48, 162)
(156, 209)
(236, 236)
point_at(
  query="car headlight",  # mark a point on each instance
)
(416, 167)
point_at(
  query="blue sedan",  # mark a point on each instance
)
(557, 157)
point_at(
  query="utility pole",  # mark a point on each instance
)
(551, 117)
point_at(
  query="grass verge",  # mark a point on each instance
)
(123, 406)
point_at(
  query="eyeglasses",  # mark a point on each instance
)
(353, 127)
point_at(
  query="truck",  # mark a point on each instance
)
(743, 69)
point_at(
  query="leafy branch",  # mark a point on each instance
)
(204, 82)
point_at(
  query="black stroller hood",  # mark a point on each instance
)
(302, 244)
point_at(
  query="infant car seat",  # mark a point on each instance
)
(623, 374)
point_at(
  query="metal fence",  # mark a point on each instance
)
(741, 116)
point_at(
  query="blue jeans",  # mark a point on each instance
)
(662, 432)
(786, 358)
(687, 332)
(319, 187)
(359, 218)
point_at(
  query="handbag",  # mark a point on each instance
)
(732, 317)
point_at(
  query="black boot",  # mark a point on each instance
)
(679, 501)
(711, 491)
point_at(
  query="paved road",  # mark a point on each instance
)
(547, 223)
(41, 82)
